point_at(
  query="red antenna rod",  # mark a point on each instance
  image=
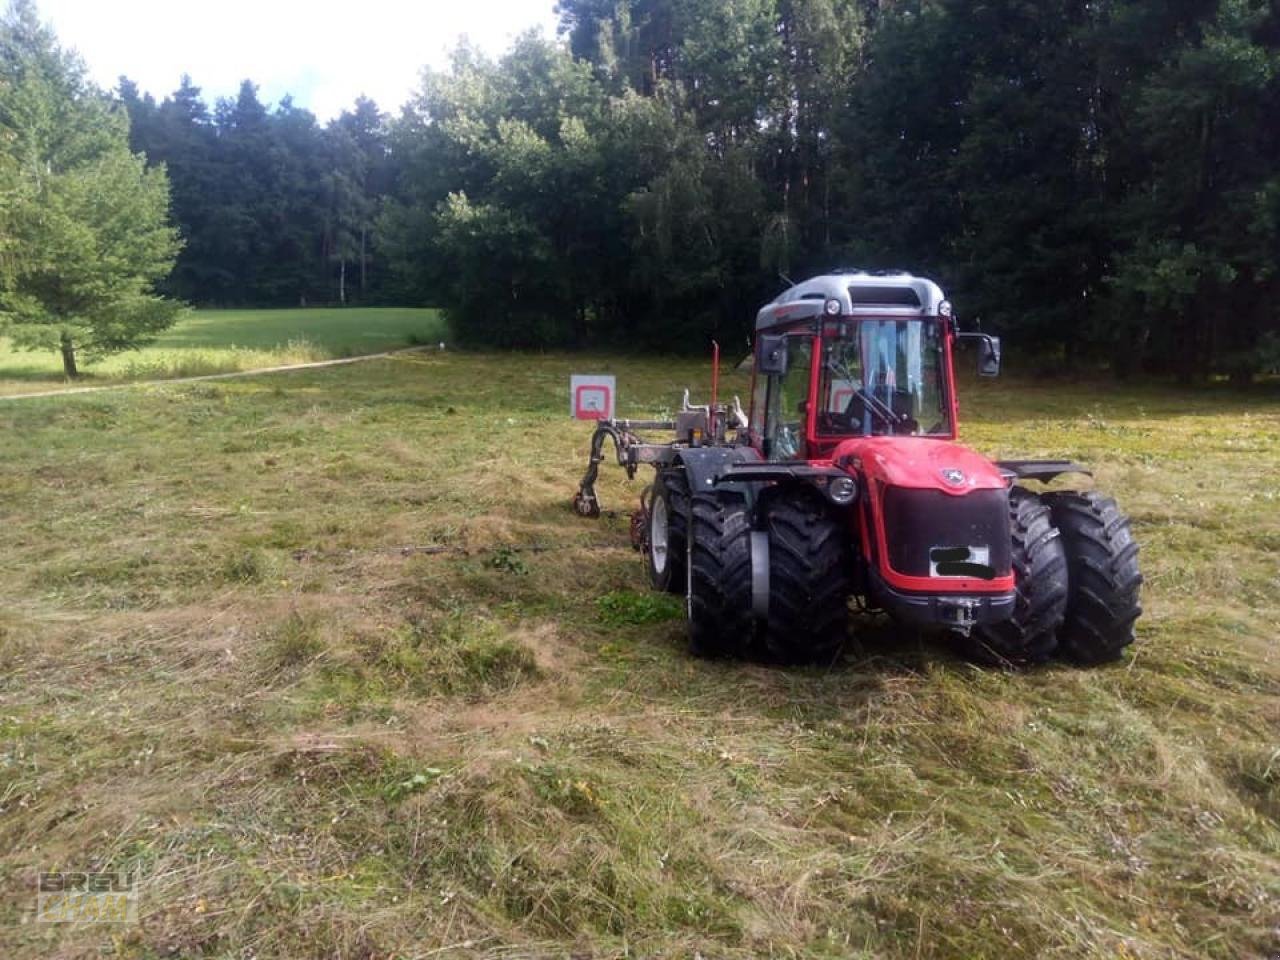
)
(715, 386)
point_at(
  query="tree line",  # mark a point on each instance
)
(274, 209)
(1098, 181)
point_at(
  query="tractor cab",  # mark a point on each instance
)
(855, 355)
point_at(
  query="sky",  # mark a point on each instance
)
(324, 54)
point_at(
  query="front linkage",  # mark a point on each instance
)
(695, 427)
(631, 451)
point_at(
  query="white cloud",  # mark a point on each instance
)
(324, 53)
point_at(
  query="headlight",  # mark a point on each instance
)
(842, 490)
(945, 310)
(832, 307)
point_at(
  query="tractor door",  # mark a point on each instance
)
(781, 401)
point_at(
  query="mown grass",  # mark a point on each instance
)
(328, 660)
(225, 341)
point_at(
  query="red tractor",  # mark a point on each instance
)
(845, 483)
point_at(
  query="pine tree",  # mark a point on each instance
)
(86, 225)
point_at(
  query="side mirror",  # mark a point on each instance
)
(989, 357)
(988, 353)
(773, 356)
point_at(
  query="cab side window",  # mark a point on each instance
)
(759, 404)
(786, 404)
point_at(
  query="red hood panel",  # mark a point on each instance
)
(920, 463)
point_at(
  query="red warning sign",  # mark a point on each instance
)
(591, 397)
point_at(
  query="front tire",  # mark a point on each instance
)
(810, 580)
(719, 575)
(666, 536)
(1040, 572)
(1105, 582)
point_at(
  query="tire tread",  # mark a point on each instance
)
(1040, 571)
(719, 575)
(1106, 582)
(809, 581)
(675, 485)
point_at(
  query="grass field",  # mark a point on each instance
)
(223, 341)
(327, 659)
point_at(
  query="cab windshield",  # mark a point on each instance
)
(883, 377)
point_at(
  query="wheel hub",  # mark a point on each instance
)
(658, 536)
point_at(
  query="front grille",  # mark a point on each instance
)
(919, 521)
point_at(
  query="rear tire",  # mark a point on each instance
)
(666, 535)
(1102, 571)
(1040, 573)
(810, 581)
(719, 576)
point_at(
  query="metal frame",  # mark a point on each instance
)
(631, 451)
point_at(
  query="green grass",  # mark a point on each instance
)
(224, 341)
(327, 658)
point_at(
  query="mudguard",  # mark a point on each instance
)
(1045, 470)
(703, 465)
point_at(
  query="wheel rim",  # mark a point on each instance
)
(658, 543)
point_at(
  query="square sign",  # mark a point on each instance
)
(842, 392)
(591, 397)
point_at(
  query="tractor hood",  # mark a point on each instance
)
(920, 463)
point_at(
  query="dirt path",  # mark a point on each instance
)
(215, 376)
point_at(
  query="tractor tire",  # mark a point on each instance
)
(1102, 573)
(665, 537)
(810, 581)
(1030, 636)
(719, 576)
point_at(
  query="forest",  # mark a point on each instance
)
(1097, 181)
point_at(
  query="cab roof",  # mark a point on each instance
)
(860, 294)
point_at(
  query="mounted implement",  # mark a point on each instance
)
(845, 483)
